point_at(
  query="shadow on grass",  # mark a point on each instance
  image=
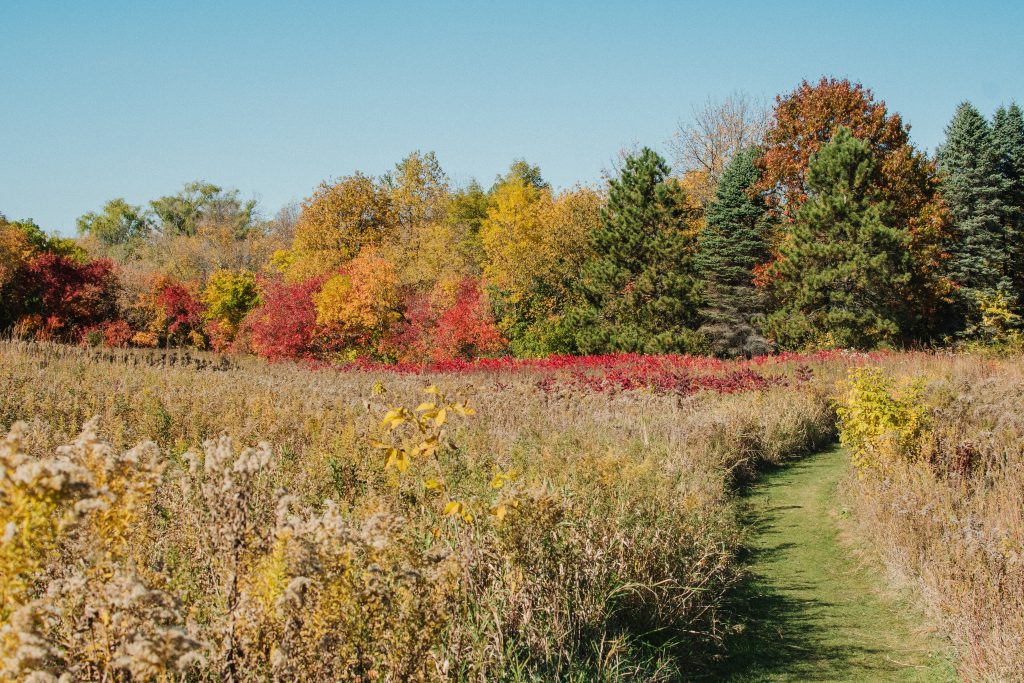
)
(786, 637)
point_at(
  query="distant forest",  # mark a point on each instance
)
(812, 224)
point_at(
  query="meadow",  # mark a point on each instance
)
(178, 516)
(742, 405)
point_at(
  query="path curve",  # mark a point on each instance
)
(817, 611)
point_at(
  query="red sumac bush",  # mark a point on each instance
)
(71, 296)
(284, 324)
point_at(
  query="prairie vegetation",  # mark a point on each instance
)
(254, 522)
(292, 523)
(940, 487)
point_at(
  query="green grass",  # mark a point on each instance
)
(816, 609)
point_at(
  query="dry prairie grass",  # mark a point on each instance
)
(266, 538)
(945, 504)
(547, 532)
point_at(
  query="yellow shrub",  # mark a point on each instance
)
(879, 420)
(145, 339)
(999, 329)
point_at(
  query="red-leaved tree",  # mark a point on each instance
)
(284, 324)
(179, 311)
(70, 296)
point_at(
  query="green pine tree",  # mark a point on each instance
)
(839, 272)
(1008, 138)
(974, 188)
(733, 244)
(640, 290)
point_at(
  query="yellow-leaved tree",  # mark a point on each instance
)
(228, 296)
(535, 245)
(337, 221)
(513, 236)
(428, 244)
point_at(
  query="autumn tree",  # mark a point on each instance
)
(228, 298)
(16, 251)
(536, 245)
(41, 242)
(22, 242)
(524, 172)
(119, 226)
(639, 289)
(839, 275)
(69, 296)
(466, 329)
(735, 243)
(467, 210)
(204, 229)
(513, 236)
(338, 220)
(419, 191)
(703, 146)
(519, 240)
(179, 314)
(357, 307)
(421, 245)
(807, 119)
(512, 232)
(284, 326)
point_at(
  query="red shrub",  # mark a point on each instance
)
(117, 334)
(180, 309)
(446, 330)
(71, 296)
(467, 329)
(410, 341)
(284, 325)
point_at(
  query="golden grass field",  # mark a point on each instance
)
(219, 521)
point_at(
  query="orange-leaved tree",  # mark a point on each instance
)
(357, 307)
(807, 119)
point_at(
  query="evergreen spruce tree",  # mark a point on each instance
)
(734, 242)
(639, 289)
(974, 188)
(1008, 138)
(838, 274)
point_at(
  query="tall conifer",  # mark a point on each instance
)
(735, 241)
(837, 279)
(639, 289)
(1008, 138)
(975, 189)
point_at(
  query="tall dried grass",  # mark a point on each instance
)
(264, 537)
(944, 501)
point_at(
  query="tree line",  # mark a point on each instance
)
(817, 224)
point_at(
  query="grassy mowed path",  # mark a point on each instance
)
(818, 611)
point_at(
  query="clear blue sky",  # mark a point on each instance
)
(134, 98)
